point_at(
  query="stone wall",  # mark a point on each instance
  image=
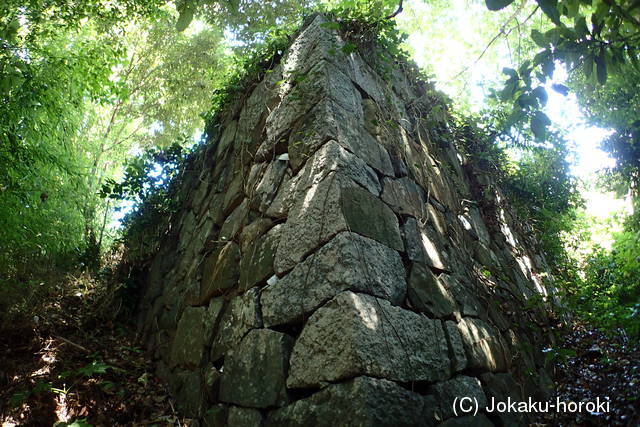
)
(339, 262)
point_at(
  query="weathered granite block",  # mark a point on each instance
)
(220, 271)
(187, 349)
(427, 294)
(483, 345)
(349, 261)
(362, 401)
(357, 334)
(240, 316)
(255, 372)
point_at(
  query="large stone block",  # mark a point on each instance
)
(252, 232)
(233, 194)
(268, 185)
(424, 245)
(316, 215)
(244, 417)
(235, 221)
(502, 388)
(251, 117)
(348, 261)
(255, 373)
(367, 215)
(216, 416)
(313, 220)
(187, 389)
(332, 157)
(322, 80)
(357, 334)
(456, 347)
(314, 44)
(462, 386)
(220, 271)
(240, 316)
(227, 138)
(362, 401)
(212, 317)
(187, 349)
(483, 345)
(464, 292)
(284, 198)
(477, 222)
(257, 262)
(327, 120)
(427, 294)
(405, 197)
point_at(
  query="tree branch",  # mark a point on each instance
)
(503, 32)
(396, 13)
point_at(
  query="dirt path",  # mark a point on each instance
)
(70, 367)
(592, 365)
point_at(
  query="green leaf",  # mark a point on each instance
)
(581, 27)
(541, 94)
(550, 8)
(601, 68)
(588, 65)
(553, 36)
(187, 10)
(560, 88)
(349, 48)
(515, 117)
(539, 38)
(568, 33)
(95, 367)
(498, 4)
(634, 60)
(548, 66)
(525, 101)
(572, 9)
(510, 72)
(525, 67)
(540, 57)
(596, 23)
(330, 25)
(539, 123)
(509, 89)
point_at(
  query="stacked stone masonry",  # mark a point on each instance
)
(336, 263)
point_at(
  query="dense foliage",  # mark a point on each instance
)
(598, 42)
(81, 88)
(610, 292)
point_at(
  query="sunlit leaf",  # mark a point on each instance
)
(539, 123)
(541, 94)
(330, 25)
(588, 65)
(510, 72)
(601, 68)
(187, 10)
(550, 8)
(498, 4)
(560, 88)
(539, 38)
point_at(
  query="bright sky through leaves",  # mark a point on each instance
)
(451, 55)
